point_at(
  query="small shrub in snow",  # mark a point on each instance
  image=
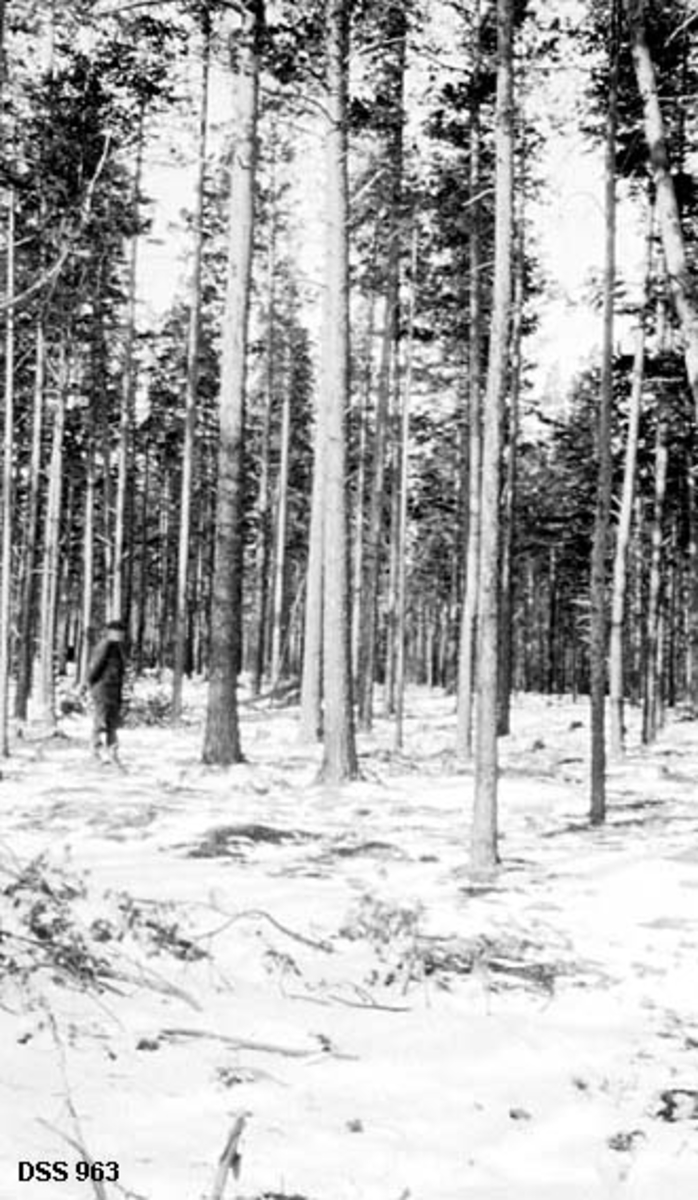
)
(39, 929)
(381, 922)
(49, 921)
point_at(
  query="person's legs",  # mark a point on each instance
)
(111, 726)
(99, 726)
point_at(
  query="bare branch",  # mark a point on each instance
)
(260, 914)
(77, 1142)
(230, 1158)
(256, 1047)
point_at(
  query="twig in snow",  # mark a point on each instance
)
(371, 1005)
(79, 1145)
(363, 1000)
(156, 982)
(77, 1142)
(246, 1044)
(260, 914)
(238, 1043)
(230, 1159)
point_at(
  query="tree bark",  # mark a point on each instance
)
(7, 473)
(128, 391)
(597, 584)
(29, 591)
(279, 588)
(401, 608)
(339, 757)
(3, 6)
(264, 542)
(142, 619)
(468, 624)
(52, 556)
(190, 404)
(222, 736)
(692, 580)
(311, 675)
(620, 563)
(360, 501)
(88, 563)
(506, 614)
(654, 642)
(484, 854)
(396, 25)
(668, 216)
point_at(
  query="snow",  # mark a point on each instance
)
(389, 1030)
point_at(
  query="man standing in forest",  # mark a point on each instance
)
(105, 677)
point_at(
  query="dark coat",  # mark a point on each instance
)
(106, 674)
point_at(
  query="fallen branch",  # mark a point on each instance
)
(371, 1005)
(77, 1142)
(256, 1047)
(150, 979)
(99, 1188)
(238, 1043)
(330, 999)
(229, 1160)
(260, 914)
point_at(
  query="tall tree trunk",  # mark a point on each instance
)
(484, 830)
(339, 757)
(597, 585)
(468, 624)
(506, 614)
(128, 389)
(222, 736)
(88, 563)
(620, 564)
(52, 550)
(3, 6)
(279, 590)
(29, 591)
(311, 675)
(692, 581)
(360, 504)
(163, 606)
(97, 420)
(188, 449)
(264, 543)
(668, 216)
(7, 473)
(393, 549)
(401, 608)
(141, 623)
(396, 32)
(653, 646)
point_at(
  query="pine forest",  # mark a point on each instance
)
(349, 597)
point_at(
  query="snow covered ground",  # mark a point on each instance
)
(198, 945)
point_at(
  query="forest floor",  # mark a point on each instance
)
(182, 947)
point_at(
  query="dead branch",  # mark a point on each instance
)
(258, 1047)
(238, 1043)
(261, 914)
(332, 998)
(230, 1159)
(77, 1142)
(155, 982)
(370, 1005)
